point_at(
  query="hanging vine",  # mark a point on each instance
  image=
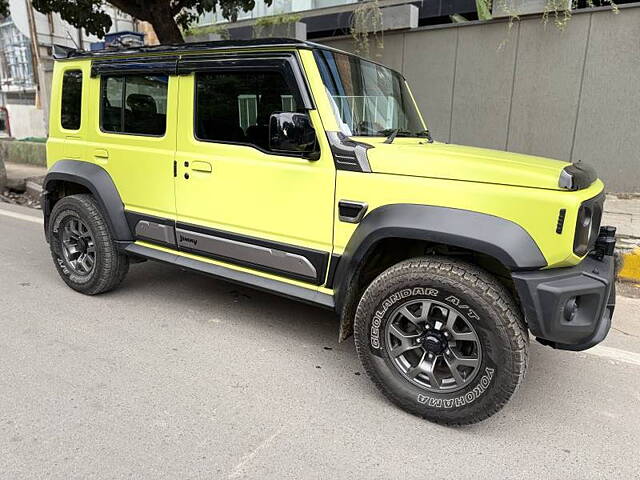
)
(366, 23)
(560, 12)
(276, 25)
(557, 11)
(221, 30)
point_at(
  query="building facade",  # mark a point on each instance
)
(26, 64)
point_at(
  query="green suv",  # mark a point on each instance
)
(309, 172)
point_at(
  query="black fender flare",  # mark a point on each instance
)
(99, 183)
(496, 237)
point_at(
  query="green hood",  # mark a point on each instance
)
(455, 162)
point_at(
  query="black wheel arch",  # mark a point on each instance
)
(500, 239)
(78, 176)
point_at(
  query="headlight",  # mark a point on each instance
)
(588, 225)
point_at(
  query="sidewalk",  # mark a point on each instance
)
(621, 210)
(24, 183)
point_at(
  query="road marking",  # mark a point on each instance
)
(615, 354)
(21, 216)
(238, 471)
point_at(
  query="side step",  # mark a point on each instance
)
(273, 286)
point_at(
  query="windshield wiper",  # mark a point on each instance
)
(395, 132)
(392, 135)
(426, 134)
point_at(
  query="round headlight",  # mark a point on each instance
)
(583, 230)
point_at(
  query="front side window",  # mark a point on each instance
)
(235, 107)
(368, 99)
(71, 100)
(134, 104)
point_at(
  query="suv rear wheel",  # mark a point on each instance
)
(442, 339)
(82, 247)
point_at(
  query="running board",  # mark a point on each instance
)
(261, 283)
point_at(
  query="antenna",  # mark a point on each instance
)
(73, 40)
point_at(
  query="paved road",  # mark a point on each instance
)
(180, 376)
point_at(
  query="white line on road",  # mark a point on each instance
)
(238, 470)
(20, 216)
(615, 354)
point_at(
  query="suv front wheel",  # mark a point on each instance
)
(83, 250)
(442, 339)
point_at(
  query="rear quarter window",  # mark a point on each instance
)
(71, 101)
(134, 104)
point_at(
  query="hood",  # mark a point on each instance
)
(456, 162)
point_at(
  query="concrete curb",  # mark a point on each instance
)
(630, 270)
(33, 190)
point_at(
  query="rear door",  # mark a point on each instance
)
(134, 138)
(236, 199)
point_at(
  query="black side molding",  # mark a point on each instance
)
(294, 292)
(496, 237)
(99, 183)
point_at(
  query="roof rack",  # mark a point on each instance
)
(62, 52)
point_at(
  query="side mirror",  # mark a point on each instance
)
(292, 133)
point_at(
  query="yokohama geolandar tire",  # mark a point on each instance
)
(442, 339)
(82, 247)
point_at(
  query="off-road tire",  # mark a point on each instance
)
(110, 267)
(488, 307)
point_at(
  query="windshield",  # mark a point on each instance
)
(368, 99)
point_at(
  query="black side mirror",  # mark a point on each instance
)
(292, 133)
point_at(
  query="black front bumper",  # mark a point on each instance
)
(569, 308)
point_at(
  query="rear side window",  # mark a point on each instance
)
(134, 104)
(234, 107)
(71, 103)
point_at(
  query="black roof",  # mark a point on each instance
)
(61, 52)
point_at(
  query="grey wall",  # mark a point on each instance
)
(572, 95)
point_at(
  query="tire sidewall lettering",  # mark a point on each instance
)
(376, 341)
(57, 245)
(444, 401)
(461, 400)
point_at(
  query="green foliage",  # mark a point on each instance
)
(4, 8)
(265, 27)
(88, 14)
(483, 7)
(165, 15)
(221, 30)
(558, 11)
(367, 22)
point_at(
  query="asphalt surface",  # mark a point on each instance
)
(180, 376)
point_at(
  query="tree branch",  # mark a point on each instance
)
(177, 7)
(135, 9)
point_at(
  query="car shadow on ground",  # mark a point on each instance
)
(551, 373)
(189, 290)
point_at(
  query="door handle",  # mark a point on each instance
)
(198, 166)
(101, 154)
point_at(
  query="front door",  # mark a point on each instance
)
(237, 200)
